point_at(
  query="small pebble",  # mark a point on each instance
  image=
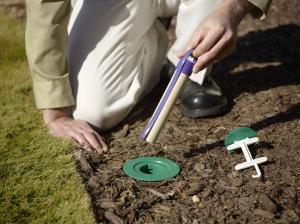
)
(267, 203)
(195, 199)
(199, 167)
(237, 182)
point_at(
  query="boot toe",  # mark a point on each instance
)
(203, 105)
(204, 101)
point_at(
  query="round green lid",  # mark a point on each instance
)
(151, 168)
(239, 134)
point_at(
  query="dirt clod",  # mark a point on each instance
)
(83, 163)
(267, 204)
(113, 218)
(263, 213)
(199, 167)
(93, 182)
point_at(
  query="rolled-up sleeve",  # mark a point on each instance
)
(46, 43)
(262, 8)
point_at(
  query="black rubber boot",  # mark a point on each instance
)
(202, 100)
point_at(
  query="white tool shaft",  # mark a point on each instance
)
(164, 114)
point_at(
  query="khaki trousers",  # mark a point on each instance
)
(116, 50)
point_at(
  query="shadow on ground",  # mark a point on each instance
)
(291, 114)
(270, 58)
(270, 67)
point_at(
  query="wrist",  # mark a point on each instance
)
(53, 114)
(237, 9)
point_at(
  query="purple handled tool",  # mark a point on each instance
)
(183, 71)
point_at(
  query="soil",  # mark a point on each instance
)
(261, 80)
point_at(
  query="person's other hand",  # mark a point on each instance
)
(215, 37)
(60, 124)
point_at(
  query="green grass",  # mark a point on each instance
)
(38, 180)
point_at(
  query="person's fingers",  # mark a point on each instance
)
(81, 139)
(75, 142)
(209, 41)
(214, 54)
(76, 138)
(203, 40)
(81, 133)
(92, 136)
(104, 145)
(197, 37)
(94, 142)
(103, 148)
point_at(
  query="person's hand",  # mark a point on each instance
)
(215, 37)
(60, 124)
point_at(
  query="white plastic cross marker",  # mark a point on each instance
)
(243, 144)
(240, 138)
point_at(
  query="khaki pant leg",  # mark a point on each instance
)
(190, 14)
(116, 49)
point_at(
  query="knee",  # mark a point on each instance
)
(93, 116)
(103, 118)
(165, 8)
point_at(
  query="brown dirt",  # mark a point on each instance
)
(262, 81)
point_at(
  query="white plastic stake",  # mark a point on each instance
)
(249, 158)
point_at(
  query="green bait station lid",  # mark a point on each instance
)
(151, 168)
(238, 134)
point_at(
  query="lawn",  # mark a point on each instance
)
(38, 179)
